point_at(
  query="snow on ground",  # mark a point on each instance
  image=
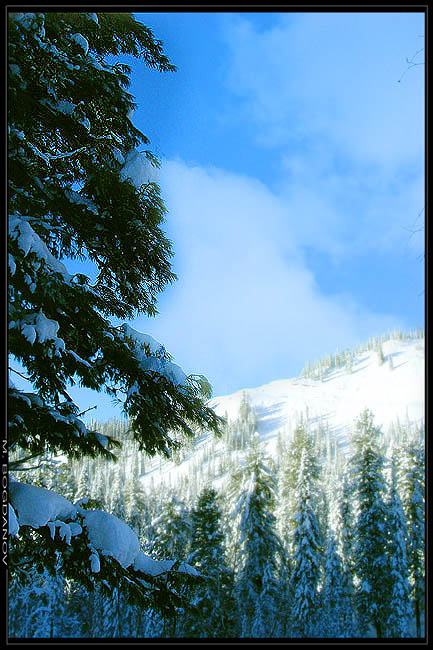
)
(336, 402)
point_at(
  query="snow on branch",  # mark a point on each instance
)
(35, 506)
(152, 355)
(30, 242)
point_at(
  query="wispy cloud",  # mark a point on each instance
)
(322, 90)
(334, 74)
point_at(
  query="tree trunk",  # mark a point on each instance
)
(378, 627)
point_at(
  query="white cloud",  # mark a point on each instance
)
(246, 308)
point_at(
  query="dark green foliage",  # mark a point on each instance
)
(69, 134)
(70, 196)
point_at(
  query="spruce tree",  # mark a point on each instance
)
(411, 473)
(259, 548)
(134, 501)
(117, 500)
(400, 605)
(172, 530)
(83, 487)
(345, 519)
(335, 601)
(301, 446)
(307, 556)
(370, 544)
(214, 597)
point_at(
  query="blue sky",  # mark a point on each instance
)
(292, 168)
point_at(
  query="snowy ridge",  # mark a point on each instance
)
(341, 396)
(393, 391)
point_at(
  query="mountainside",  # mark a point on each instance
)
(392, 387)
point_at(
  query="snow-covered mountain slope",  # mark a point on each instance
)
(338, 399)
(393, 390)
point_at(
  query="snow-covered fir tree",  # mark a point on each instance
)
(134, 500)
(307, 555)
(370, 545)
(258, 547)
(301, 446)
(345, 538)
(172, 528)
(213, 598)
(411, 481)
(83, 487)
(399, 598)
(336, 606)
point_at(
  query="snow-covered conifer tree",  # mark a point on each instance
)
(80, 188)
(134, 500)
(117, 500)
(399, 605)
(344, 524)
(336, 604)
(213, 598)
(302, 445)
(307, 556)
(370, 544)
(83, 487)
(172, 528)
(411, 474)
(259, 548)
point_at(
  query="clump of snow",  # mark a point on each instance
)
(13, 526)
(36, 506)
(156, 361)
(118, 155)
(85, 122)
(75, 197)
(95, 563)
(93, 17)
(154, 346)
(30, 242)
(80, 40)
(103, 440)
(66, 530)
(138, 170)
(65, 107)
(25, 19)
(79, 359)
(152, 567)
(111, 536)
(45, 329)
